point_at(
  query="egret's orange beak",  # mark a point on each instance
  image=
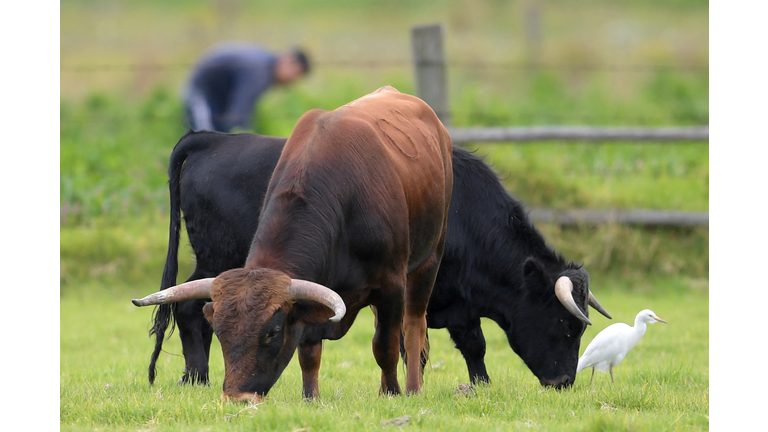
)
(659, 319)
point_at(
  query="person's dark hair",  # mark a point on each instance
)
(302, 58)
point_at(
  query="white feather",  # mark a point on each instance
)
(608, 349)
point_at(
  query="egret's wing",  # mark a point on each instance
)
(605, 346)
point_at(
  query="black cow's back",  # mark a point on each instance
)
(226, 181)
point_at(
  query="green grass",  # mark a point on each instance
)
(662, 385)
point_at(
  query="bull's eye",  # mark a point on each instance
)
(271, 335)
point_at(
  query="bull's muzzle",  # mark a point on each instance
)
(253, 398)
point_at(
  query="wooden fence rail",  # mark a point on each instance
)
(627, 217)
(431, 86)
(577, 133)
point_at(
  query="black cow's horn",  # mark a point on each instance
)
(596, 305)
(196, 289)
(564, 293)
(306, 290)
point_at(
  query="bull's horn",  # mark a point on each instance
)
(564, 293)
(196, 289)
(306, 290)
(596, 305)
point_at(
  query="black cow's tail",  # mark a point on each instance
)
(163, 316)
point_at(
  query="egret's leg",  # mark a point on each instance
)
(610, 369)
(593, 375)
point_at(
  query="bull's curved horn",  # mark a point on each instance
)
(564, 293)
(306, 290)
(196, 289)
(596, 305)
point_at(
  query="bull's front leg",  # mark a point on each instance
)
(309, 360)
(386, 339)
(420, 283)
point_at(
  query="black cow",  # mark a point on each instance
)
(495, 264)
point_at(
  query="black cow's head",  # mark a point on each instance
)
(258, 316)
(546, 326)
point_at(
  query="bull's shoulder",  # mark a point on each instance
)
(304, 130)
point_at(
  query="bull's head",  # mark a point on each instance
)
(546, 326)
(258, 316)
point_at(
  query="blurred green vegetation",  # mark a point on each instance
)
(114, 198)
(634, 63)
(114, 153)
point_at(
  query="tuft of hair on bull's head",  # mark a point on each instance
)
(258, 316)
(549, 322)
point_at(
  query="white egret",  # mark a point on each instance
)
(611, 345)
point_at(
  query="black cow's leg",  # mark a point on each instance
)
(196, 334)
(470, 342)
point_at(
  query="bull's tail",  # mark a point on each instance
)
(163, 316)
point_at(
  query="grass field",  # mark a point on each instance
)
(662, 385)
(633, 63)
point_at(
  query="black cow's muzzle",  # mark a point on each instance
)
(559, 383)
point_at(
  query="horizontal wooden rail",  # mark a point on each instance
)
(577, 133)
(629, 217)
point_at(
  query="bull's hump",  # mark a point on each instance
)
(400, 120)
(386, 98)
(385, 91)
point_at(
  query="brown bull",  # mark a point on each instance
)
(358, 205)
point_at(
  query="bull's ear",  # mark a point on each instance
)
(311, 312)
(208, 312)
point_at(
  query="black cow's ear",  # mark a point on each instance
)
(533, 273)
(208, 312)
(531, 268)
(535, 277)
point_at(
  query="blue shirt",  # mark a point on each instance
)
(231, 77)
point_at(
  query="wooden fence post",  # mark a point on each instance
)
(533, 34)
(429, 60)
